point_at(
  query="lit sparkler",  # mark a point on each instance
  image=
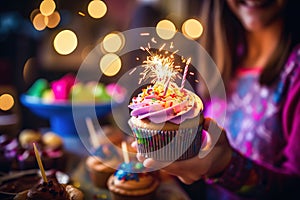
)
(160, 68)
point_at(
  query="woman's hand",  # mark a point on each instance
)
(214, 156)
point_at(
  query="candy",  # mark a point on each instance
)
(68, 88)
(61, 88)
(38, 88)
(116, 92)
(79, 93)
(48, 96)
(99, 91)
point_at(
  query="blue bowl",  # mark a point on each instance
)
(64, 115)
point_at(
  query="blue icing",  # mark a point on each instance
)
(129, 171)
(106, 152)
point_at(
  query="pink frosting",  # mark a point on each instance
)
(175, 106)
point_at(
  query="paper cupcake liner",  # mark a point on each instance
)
(165, 145)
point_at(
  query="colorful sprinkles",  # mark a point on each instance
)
(130, 171)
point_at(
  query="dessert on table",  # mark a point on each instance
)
(132, 181)
(49, 187)
(69, 89)
(49, 190)
(105, 153)
(50, 144)
(166, 119)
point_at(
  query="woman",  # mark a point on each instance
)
(254, 43)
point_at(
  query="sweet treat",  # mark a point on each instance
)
(29, 136)
(102, 164)
(98, 90)
(68, 88)
(166, 119)
(52, 140)
(131, 181)
(106, 157)
(20, 183)
(50, 146)
(116, 92)
(8, 152)
(48, 96)
(50, 190)
(61, 88)
(53, 150)
(38, 87)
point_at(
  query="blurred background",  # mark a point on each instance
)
(29, 29)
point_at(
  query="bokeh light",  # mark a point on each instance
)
(47, 7)
(165, 29)
(65, 42)
(113, 42)
(192, 29)
(110, 64)
(97, 9)
(6, 102)
(53, 20)
(39, 22)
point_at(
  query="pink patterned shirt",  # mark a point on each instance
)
(263, 126)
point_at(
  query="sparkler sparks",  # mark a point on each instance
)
(81, 13)
(159, 67)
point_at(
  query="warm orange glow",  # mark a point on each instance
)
(39, 22)
(110, 64)
(86, 50)
(165, 29)
(97, 9)
(113, 42)
(53, 20)
(81, 13)
(6, 102)
(65, 42)
(192, 28)
(47, 7)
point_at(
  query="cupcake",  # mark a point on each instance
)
(105, 156)
(49, 144)
(166, 119)
(130, 181)
(102, 164)
(26, 158)
(167, 125)
(53, 150)
(50, 190)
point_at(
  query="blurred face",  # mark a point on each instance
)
(256, 14)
